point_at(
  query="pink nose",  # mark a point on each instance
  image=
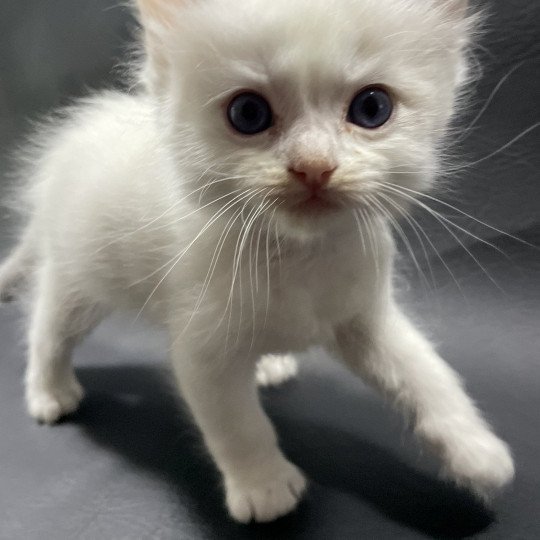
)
(313, 174)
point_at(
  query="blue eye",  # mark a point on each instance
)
(249, 113)
(371, 108)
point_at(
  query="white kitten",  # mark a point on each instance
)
(242, 198)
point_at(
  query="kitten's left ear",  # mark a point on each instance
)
(157, 19)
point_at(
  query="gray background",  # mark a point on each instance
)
(129, 464)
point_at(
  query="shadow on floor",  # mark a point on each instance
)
(134, 412)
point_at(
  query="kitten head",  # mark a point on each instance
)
(308, 110)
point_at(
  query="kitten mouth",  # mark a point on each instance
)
(315, 203)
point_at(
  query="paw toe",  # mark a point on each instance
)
(267, 501)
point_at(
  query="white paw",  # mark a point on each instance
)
(480, 462)
(273, 370)
(49, 404)
(276, 493)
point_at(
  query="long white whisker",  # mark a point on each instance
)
(154, 220)
(257, 259)
(489, 101)
(218, 214)
(360, 234)
(278, 243)
(175, 260)
(417, 228)
(411, 222)
(213, 264)
(401, 233)
(229, 305)
(259, 211)
(371, 240)
(261, 225)
(237, 264)
(451, 223)
(267, 249)
(454, 208)
(496, 152)
(443, 221)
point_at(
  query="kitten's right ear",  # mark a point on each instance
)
(157, 19)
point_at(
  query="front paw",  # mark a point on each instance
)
(48, 404)
(480, 462)
(273, 491)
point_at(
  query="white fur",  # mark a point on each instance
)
(119, 219)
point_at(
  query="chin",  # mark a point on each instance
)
(310, 223)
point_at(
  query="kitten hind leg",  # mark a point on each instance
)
(274, 369)
(59, 320)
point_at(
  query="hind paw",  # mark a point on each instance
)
(273, 370)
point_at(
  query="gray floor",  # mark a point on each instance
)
(130, 465)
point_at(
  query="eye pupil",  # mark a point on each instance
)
(249, 113)
(371, 108)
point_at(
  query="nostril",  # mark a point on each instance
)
(299, 175)
(313, 176)
(326, 175)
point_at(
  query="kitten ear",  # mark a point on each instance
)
(157, 19)
(463, 22)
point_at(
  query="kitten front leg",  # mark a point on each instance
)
(260, 483)
(402, 364)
